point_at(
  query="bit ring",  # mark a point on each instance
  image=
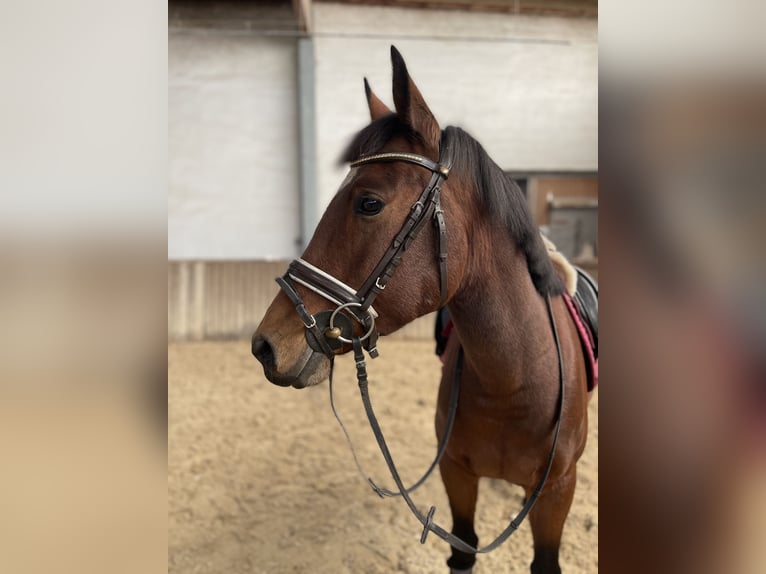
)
(369, 332)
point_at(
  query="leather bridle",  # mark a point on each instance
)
(328, 331)
(322, 332)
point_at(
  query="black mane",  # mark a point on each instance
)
(501, 198)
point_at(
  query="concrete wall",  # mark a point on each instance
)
(524, 86)
(232, 138)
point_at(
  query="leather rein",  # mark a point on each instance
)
(328, 331)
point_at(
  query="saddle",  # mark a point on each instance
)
(581, 298)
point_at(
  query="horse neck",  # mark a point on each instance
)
(499, 315)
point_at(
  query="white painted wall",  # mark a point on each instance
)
(524, 86)
(232, 138)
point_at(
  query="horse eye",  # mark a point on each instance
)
(367, 205)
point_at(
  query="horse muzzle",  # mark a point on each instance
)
(311, 368)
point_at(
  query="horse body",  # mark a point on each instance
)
(508, 402)
(496, 284)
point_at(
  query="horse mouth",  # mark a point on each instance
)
(311, 369)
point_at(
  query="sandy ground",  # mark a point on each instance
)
(261, 479)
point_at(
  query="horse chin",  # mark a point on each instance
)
(312, 372)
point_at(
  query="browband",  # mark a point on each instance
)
(420, 160)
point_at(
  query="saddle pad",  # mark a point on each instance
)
(586, 302)
(591, 360)
(442, 331)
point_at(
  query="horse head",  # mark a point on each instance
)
(359, 229)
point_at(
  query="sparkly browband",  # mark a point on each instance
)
(433, 166)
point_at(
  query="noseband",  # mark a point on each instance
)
(326, 331)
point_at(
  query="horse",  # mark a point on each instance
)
(502, 291)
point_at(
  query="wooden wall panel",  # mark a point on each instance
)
(562, 187)
(227, 299)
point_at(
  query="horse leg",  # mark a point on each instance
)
(462, 489)
(547, 520)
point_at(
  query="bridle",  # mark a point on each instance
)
(328, 331)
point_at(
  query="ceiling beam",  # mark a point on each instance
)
(573, 8)
(302, 9)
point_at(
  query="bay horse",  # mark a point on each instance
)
(502, 291)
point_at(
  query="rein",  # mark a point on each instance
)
(427, 520)
(328, 331)
(453, 400)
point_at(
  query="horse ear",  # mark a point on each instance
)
(410, 105)
(377, 108)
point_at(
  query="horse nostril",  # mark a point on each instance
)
(263, 351)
